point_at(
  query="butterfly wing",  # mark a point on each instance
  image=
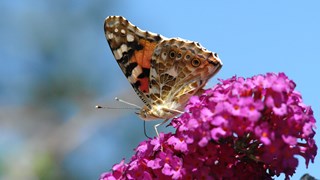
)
(164, 72)
(180, 69)
(133, 49)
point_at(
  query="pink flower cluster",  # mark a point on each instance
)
(240, 129)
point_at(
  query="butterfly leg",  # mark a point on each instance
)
(156, 126)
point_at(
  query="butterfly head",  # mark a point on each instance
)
(146, 114)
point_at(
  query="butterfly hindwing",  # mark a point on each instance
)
(179, 69)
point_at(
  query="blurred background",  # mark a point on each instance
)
(56, 66)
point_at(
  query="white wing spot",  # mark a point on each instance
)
(123, 31)
(130, 38)
(116, 30)
(124, 48)
(110, 35)
(117, 54)
(136, 72)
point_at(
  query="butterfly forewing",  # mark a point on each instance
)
(133, 49)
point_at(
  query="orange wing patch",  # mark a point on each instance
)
(143, 56)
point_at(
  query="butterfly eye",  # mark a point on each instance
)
(195, 62)
(172, 54)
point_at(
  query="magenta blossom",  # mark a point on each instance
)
(240, 129)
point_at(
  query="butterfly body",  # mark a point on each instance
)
(164, 72)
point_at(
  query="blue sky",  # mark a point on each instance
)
(251, 37)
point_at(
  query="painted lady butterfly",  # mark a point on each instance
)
(164, 72)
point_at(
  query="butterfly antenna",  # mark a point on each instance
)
(105, 107)
(126, 102)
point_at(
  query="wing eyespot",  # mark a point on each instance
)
(187, 57)
(179, 55)
(172, 54)
(164, 55)
(195, 62)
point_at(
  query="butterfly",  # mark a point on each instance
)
(164, 72)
